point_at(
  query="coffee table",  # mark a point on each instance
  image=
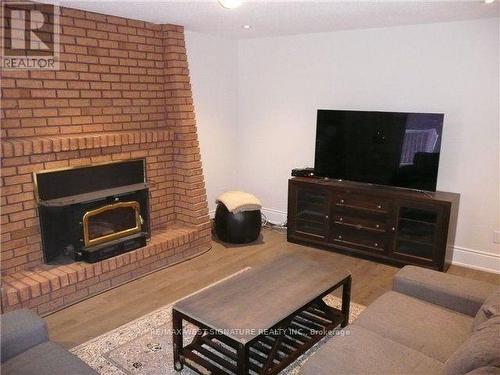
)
(261, 320)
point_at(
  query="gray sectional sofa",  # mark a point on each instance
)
(430, 323)
(26, 349)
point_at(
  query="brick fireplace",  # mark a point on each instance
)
(122, 93)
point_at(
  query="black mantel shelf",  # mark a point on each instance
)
(95, 195)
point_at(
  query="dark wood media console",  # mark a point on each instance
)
(392, 225)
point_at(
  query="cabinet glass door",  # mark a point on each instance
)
(416, 232)
(312, 213)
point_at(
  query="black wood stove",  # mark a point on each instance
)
(93, 213)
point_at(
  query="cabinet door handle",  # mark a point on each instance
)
(375, 244)
(339, 237)
(377, 226)
(342, 201)
(326, 217)
(341, 219)
(393, 229)
(379, 206)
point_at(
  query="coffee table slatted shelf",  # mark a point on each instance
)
(289, 324)
(220, 358)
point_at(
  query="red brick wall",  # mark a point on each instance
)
(123, 91)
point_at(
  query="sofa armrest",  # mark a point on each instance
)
(453, 292)
(20, 331)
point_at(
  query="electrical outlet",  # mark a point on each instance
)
(496, 237)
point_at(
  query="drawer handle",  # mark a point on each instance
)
(342, 201)
(341, 219)
(326, 217)
(377, 226)
(393, 229)
(339, 237)
(379, 206)
(375, 244)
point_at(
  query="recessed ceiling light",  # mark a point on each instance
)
(246, 27)
(230, 4)
(489, 1)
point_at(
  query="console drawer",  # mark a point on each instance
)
(362, 223)
(363, 203)
(353, 238)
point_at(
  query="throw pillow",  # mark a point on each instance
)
(481, 349)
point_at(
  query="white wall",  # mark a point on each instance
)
(256, 104)
(213, 70)
(448, 67)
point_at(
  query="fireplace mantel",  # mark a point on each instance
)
(14, 147)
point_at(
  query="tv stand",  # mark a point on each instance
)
(391, 225)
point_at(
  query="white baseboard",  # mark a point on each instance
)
(476, 259)
(274, 216)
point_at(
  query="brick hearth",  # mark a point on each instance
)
(48, 288)
(122, 92)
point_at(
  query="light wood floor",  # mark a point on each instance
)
(97, 315)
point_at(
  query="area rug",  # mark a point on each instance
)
(144, 346)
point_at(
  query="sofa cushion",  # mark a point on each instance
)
(365, 352)
(435, 331)
(479, 350)
(453, 292)
(489, 309)
(46, 359)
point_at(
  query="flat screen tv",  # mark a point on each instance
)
(386, 148)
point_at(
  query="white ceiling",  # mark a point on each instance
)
(274, 18)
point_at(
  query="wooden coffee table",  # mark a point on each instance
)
(260, 320)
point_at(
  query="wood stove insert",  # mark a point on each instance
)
(92, 213)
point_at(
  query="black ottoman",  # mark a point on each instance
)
(237, 228)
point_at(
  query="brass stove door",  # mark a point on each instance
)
(110, 222)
